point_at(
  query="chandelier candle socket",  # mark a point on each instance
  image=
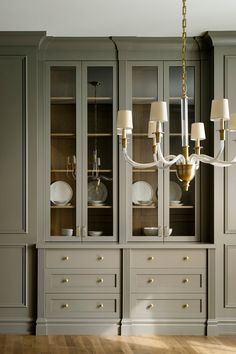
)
(186, 166)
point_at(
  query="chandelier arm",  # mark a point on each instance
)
(213, 161)
(209, 158)
(137, 164)
(179, 158)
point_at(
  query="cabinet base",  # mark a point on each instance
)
(163, 327)
(17, 326)
(221, 327)
(77, 327)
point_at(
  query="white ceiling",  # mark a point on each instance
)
(116, 17)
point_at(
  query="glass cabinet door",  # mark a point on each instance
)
(181, 218)
(146, 187)
(101, 167)
(63, 143)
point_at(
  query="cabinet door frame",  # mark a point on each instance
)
(128, 169)
(85, 237)
(166, 221)
(47, 143)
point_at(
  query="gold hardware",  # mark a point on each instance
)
(185, 173)
(151, 280)
(187, 258)
(100, 258)
(184, 35)
(151, 258)
(66, 258)
(100, 306)
(150, 306)
(222, 129)
(100, 280)
(78, 231)
(66, 280)
(65, 306)
(186, 306)
(186, 280)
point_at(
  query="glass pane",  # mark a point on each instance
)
(145, 182)
(181, 204)
(100, 151)
(63, 151)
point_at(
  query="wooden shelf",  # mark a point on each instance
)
(63, 135)
(92, 135)
(140, 135)
(99, 206)
(144, 171)
(61, 171)
(142, 100)
(181, 207)
(100, 99)
(100, 171)
(63, 100)
(62, 206)
(152, 206)
(177, 134)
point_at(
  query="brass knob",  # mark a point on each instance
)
(66, 258)
(65, 306)
(186, 258)
(150, 306)
(186, 306)
(66, 280)
(100, 306)
(100, 280)
(151, 280)
(186, 280)
(100, 258)
(151, 258)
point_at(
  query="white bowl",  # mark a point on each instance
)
(95, 233)
(67, 232)
(170, 231)
(150, 231)
(175, 202)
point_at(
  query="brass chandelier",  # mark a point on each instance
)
(186, 165)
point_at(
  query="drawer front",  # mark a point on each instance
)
(153, 282)
(168, 258)
(183, 307)
(68, 258)
(82, 306)
(74, 282)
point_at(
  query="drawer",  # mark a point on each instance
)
(82, 305)
(184, 258)
(82, 281)
(179, 306)
(83, 258)
(165, 281)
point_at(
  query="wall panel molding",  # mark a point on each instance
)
(229, 276)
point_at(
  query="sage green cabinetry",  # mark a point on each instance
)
(18, 181)
(222, 312)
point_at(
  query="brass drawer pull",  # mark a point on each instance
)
(100, 306)
(66, 280)
(100, 258)
(151, 280)
(186, 280)
(186, 258)
(65, 306)
(150, 306)
(151, 258)
(100, 280)
(185, 306)
(66, 258)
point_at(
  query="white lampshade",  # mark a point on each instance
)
(198, 131)
(152, 126)
(220, 109)
(124, 121)
(232, 122)
(158, 111)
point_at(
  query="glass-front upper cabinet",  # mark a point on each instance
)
(83, 162)
(146, 189)
(180, 222)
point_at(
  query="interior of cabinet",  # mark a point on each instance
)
(63, 150)
(100, 151)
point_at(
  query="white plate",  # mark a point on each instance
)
(60, 193)
(175, 191)
(142, 191)
(97, 192)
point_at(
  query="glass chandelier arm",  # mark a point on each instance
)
(179, 158)
(137, 164)
(208, 159)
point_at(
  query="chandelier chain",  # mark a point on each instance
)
(184, 36)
